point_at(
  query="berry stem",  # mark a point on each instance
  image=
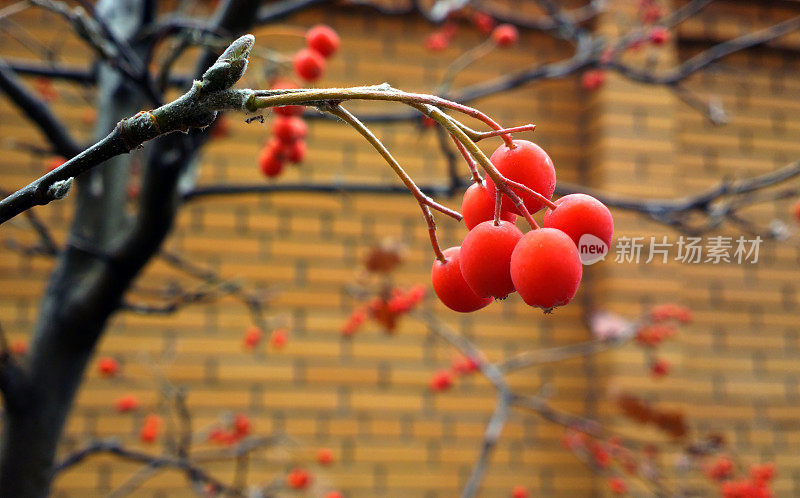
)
(473, 166)
(260, 99)
(456, 130)
(477, 136)
(544, 200)
(424, 201)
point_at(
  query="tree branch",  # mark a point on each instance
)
(39, 113)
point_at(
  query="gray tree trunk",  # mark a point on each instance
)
(104, 254)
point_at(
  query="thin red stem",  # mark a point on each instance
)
(544, 200)
(473, 166)
(272, 98)
(516, 129)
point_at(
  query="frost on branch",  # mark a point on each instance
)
(230, 66)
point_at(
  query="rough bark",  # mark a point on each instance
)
(104, 255)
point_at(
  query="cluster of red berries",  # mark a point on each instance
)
(253, 336)
(503, 35)
(289, 130)
(602, 455)
(385, 309)
(494, 260)
(756, 485)
(321, 43)
(661, 324)
(288, 137)
(593, 79)
(443, 380)
(239, 427)
(300, 478)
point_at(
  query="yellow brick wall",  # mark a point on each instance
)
(367, 398)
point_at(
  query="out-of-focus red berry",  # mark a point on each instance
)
(483, 22)
(441, 381)
(298, 479)
(150, 428)
(325, 456)
(127, 403)
(505, 35)
(617, 485)
(279, 338)
(107, 367)
(252, 336)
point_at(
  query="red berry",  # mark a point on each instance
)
(289, 129)
(441, 381)
(659, 35)
(546, 269)
(221, 127)
(252, 337)
(126, 403)
(721, 469)
(653, 335)
(464, 365)
(19, 347)
(602, 458)
(762, 474)
(286, 110)
(505, 35)
(279, 338)
(323, 39)
(437, 41)
(242, 425)
(309, 64)
(298, 479)
(519, 492)
(270, 162)
(355, 321)
(45, 89)
(89, 116)
(617, 485)
(150, 428)
(325, 456)
(450, 287)
(660, 368)
(651, 14)
(54, 162)
(486, 258)
(294, 152)
(579, 214)
(528, 164)
(796, 211)
(670, 311)
(483, 22)
(477, 206)
(592, 80)
(108, 367)
(427, 122)
(334, 494)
